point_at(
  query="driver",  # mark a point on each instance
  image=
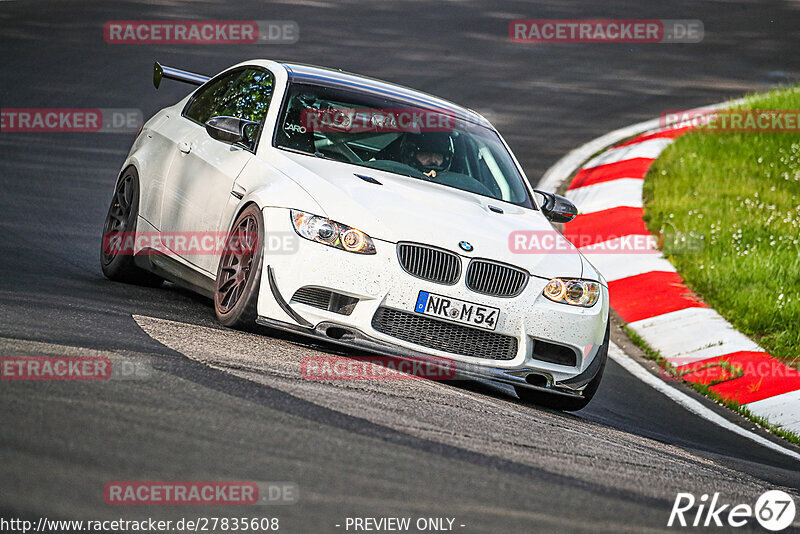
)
(431, 152)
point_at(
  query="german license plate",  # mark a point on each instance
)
(457, 311)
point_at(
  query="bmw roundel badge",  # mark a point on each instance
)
(466, 247)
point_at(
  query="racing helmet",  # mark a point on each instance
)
(428, 143)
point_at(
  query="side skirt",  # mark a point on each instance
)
(176, 272)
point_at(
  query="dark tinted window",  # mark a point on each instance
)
(375, 132)
(244, 94)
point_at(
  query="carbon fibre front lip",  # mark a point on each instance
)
(354, 338)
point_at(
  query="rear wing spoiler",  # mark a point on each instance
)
(162, 71)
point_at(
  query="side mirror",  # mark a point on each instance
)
(230, 130)
(557, 208)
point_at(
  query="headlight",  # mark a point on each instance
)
(573, 291)
(331, 233)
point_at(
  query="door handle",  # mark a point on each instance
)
(184, 147)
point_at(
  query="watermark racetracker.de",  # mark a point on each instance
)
(199, 493)
(70, 120)
(196, 243)
(198, 523)
(71, 368)
(668, 241)
(734, 120)
(606, 31)
(201, 32)
(376, 120)
(724, 369)
(376, 368)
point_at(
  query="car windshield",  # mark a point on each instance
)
(374, 132)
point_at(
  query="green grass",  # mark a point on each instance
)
(728, 206)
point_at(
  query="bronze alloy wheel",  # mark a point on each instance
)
(119, 213)
(115, 259)
(239, 273)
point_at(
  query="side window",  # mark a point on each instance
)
(201, 107)
(244, 94)
(247, 97)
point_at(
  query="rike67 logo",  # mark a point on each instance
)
(774, 510)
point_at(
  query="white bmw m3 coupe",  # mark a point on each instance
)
(362, 213)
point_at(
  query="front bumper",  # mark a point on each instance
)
(379, 281)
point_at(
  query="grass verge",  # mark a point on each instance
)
(728, 205)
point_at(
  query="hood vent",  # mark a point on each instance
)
(369, 179)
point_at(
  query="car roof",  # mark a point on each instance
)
(311, 74)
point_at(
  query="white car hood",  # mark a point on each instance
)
(408, 209)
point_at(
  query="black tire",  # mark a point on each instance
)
(564, 403)
(117, 262)
(239, 271)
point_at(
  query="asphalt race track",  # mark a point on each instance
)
(225, 405)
